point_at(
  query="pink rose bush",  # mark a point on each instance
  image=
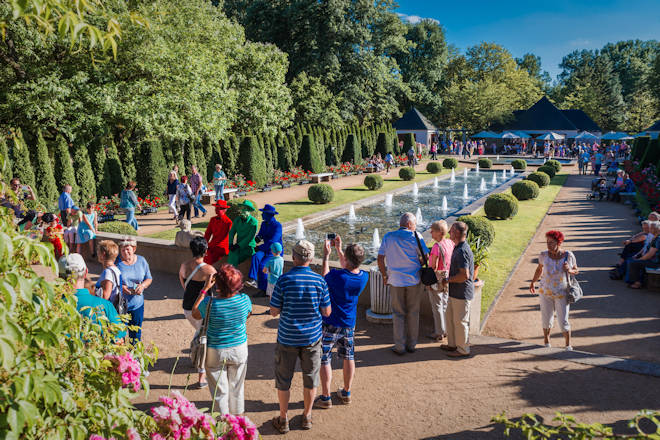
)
(178, 418)
(239, 428)
(127, 368)
(131, 434)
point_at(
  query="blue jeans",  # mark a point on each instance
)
(219, 189)
(137, 316)
(197, 204)
(130, 218)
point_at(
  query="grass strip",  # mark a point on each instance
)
(511, 238)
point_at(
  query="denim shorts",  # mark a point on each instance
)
(342, 337)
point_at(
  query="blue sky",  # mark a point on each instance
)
(550, 29)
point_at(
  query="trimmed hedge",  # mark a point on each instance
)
(252, 160)
(407, 173)
(540, 178)
(480, 226)
(373, 181)
(43, 172)
(548, 169)
(501, 206)
(519, 164)
(554, 164)
(352, 152)
(308, 157)
(434, 167)
(117, 227)
(525, 190)
(382, 145)
(484, 162)
(234, 208)
(152, 169)
(408, 142)
(321, 193)
(450, 162)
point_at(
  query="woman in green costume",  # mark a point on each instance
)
(244, 229)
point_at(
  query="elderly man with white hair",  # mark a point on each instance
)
(399, 262)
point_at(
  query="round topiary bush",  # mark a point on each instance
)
(502, 206)
(519, 164)
(525, 190)
(321, 193)
(554, 164)
(407, 173)
(541, 178)
(547, 169)
(234, 208)
(450, 162)
(373, 181)
(481, 227)
(117, 227)
(433, 167)
(484, 162)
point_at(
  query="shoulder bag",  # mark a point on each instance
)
(427, 274)
(199, 343)
(573, 289)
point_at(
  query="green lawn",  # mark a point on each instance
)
(300, 208)
(511, 238)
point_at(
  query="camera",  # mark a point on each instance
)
(331, 236)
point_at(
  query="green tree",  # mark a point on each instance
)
(102, 175)
(382, 145)
(308, 157)
(20, 159)
(253, 161)
(43, 170)
(114, 169)
(82, 169)
(189, 157)
(153, 169)
(313, 103)
(352, 152)
(4, 151)
(127, 159)
(177, 157)
(283, 152)
(64, 174)
(532, 64)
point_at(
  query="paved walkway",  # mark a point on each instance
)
(611, 319)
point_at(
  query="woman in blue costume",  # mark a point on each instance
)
(270, 232)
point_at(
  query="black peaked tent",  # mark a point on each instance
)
(416, 123)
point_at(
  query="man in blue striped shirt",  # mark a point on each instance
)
(300, 298)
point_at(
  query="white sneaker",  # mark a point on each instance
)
(251, 283)
(548, 345)
(569, 348)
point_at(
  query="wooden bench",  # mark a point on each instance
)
(209, 196)
(320, 177)
(627, 197)
(653, 279)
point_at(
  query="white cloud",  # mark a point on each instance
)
(580, 42)
(414, 19)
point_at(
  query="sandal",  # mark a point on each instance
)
(636, 285)
(307, 422)
(282, 426)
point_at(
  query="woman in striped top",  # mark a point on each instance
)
(226, 357)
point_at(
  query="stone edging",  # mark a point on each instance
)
(492, 305)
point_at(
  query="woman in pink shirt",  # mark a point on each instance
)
(439, 261)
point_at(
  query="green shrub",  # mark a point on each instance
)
(98, 160)
(117, 227)
(20, 159)
(64, 168)
(554, 164)
(541, 178)
(43, 170)
(82, 168)
(382, 146)
(153, 170)
(519, 164)
(308, 157)
(114, 169)
(502, 206)
(408, 142)
(525, 190)
(480, 227)
(407, 173)
(321, 193)
(252, 161)
(4, 151)
(433, 167)
(353, 151)
(373, 181)
(484, 162)
(450, 162)
(127, 159)
(547, 169)
(234, 208)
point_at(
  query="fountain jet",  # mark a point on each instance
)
(351, 213)
(418, 214)
(494, 181)
(504, 174)
(465, 192)
(452, 179)
(388, 200)
(482, 186)
(415, 190)
(477, 168)
(375, 240)
(444, 204)
(512, 170)
(435, 183)
(300, 230)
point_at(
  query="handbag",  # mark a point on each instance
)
(427, 274)
(198, 344)
(440, 275)
(573, 289)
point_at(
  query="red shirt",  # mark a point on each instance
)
(217, 232)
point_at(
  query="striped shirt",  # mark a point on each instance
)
(227, 322)
(299, 294)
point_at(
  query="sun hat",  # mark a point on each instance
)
(221, 204)
(269, 209)
(72, 264)
(248, 204)
(304, 248)
(276, 248)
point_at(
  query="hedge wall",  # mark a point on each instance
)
(253, 161)
(652, 153)
(308, 157)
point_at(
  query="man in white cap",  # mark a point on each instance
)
(73, 267)
(300, 298)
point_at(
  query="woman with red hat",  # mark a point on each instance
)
(217, 233)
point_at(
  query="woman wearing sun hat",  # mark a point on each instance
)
(242, 234)
(217, 233)
(270, 232)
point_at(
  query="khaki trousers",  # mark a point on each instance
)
(458, 324)
(405, 315)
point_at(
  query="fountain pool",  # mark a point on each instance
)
(384, 217)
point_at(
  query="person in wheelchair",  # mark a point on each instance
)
(598, 189)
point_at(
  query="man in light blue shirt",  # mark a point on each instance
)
(65, 204)
(399, 264)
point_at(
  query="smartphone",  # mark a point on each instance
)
(331, 236)
(25, 188)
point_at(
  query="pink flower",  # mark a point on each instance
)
(132, 434)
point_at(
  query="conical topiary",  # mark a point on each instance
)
(283, 153)
(200, 158)
(352, 152)
(43, 170)
(82, 169)
(408, 142)
(4, 151)
(189, 158)
(308, 158)
(253, 161)
(153, 173)
(127, 158)
(382, 146)
(20, 158)
(98, 159)
(114, 169)
(64, 174)
(177, 157)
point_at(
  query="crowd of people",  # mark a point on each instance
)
(639, 253)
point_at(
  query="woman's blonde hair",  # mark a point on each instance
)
(440, 226)
(108, 249)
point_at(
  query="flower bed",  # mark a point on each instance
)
(646, 181)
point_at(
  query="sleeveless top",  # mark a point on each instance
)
(553, 280)
(191, 293)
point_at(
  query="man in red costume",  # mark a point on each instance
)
(217, 234)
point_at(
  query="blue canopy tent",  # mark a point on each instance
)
(551, 136)
(485, 135)
(611, 136)
(523, 135)
(508, 135)
(586, 136)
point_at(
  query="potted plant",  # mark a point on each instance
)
(480, 252)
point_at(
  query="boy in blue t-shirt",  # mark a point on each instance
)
(274, 268)
(345, 286)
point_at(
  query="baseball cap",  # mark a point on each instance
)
(276, 247)
(72, 265)
(304, 248)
